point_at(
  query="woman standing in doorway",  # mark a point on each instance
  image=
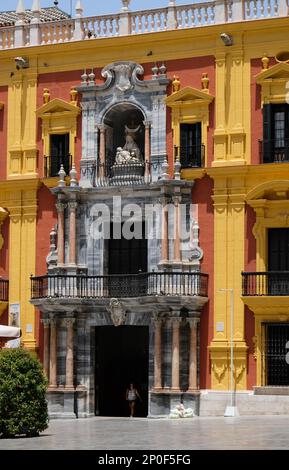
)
(131, 396)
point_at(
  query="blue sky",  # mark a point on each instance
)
(95, 7)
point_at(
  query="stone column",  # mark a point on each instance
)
(101, 171)
(72, 232)
(165, 241)
(53, 354)
(60, 206)
(147, 148)
(46, 325)
(193, 378)
(177, 247)
(176, 354)
(158, 355)
(69, 352)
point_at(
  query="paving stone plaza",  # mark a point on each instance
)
(246, 433)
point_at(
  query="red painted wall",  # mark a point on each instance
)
(3, 132)
(256, 111)
(46, 219)
(201, 195)
(59, 85)
(250, 265)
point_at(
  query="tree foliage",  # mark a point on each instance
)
(23, 406)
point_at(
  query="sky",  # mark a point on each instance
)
(94, 7)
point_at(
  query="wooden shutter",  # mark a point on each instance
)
(267, 134)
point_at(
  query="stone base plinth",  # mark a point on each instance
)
(161, 403)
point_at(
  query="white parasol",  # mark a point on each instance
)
(9, 332)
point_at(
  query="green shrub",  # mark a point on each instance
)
(23, 407)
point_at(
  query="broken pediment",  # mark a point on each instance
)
(273, 83)
(189, 95)
(276, 72)
(57, 106)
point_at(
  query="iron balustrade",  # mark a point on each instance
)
(265, 283)
(52, 164)
(119, 285)
(4, 289)
(274, 151)
(191, 156)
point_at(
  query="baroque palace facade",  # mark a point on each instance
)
(180, 116)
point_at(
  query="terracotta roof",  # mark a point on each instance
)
(8, 18)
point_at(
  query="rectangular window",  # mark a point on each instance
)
(59, 155)
(275, 133)
(278, 261)
(191, 148)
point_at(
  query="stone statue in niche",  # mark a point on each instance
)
(130, 140)
(124, 157)
(130, 153)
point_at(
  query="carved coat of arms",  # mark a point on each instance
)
(123, 77)
(116, 311)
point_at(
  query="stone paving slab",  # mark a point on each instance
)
(250, 432)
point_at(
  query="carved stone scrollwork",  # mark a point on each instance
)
(117, 312)
(219, 369)
(254, 341)
(238, 372)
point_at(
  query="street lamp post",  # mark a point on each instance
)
(231, 410)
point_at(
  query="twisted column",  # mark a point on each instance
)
(193, 378)
(53, 354)
(60, 206)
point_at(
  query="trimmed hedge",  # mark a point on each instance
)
(23, 406)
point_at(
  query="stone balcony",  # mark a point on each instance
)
(153, 291)
(173, 17)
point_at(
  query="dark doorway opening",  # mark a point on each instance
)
(127, 256)
(127, 259)
(122, 356)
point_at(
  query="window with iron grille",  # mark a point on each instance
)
(275, 146)
(275, 367)
(191, 153)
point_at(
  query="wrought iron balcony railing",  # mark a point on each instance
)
(52, 164)
(274, 151)
(4, 290)
(191, 156)
(265, 283)
(122, 285)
